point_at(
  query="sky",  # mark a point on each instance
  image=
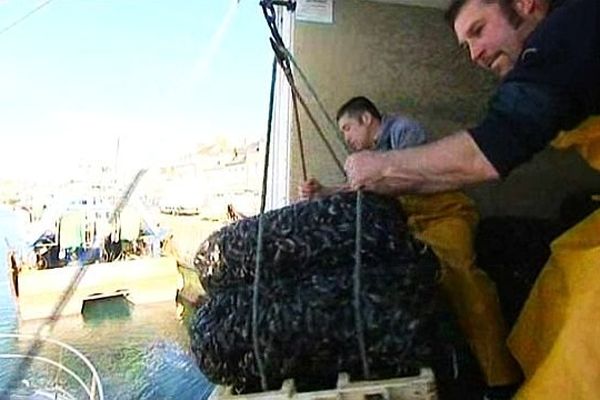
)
(156, 76)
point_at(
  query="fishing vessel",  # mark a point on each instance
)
(91, 251)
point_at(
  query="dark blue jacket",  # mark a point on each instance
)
(554, 86)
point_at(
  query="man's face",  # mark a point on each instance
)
(356, 132)
(493, 42)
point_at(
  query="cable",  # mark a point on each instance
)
(312, 91)
(299, 131)
(24, 17)
(215, 41)
(284, 62)
(259, 240)
(356, 284)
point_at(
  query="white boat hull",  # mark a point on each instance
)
(141, 281)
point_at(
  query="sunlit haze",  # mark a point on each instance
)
(81, 79)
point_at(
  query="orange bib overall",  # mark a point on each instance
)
(557, 336)
(446, 222)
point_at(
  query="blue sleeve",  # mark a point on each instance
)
(405, 133)
(554, 86)
(522, 119)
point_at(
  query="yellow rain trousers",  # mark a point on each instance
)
(557, 336)
(446, 222)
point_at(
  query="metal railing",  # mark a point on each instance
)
(91, 385)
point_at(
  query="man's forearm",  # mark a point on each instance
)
(449, 163)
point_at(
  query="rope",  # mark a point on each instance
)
(288, 56)
(356, 285)
(259, 241)
(282, 57)
(284, 61)
(312, 91)
(299, 131)
(289, 76)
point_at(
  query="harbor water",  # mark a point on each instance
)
(140, 352)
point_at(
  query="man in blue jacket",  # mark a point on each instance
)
(548, 59)
(550, 64)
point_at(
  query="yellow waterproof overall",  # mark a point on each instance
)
(446, 222)
(557, 336)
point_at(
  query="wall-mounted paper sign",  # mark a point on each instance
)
(315, 11)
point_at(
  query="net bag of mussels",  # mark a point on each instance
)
(311, 324)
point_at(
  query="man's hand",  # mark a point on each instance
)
(446, 164)
(310, 189)
(364, 170)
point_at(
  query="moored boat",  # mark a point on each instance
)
(90, 252)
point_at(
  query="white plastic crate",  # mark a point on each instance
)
(418, 387)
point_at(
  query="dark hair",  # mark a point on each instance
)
(505, 5)
(356, 106)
